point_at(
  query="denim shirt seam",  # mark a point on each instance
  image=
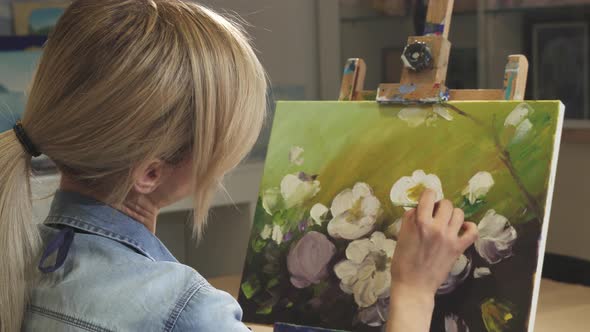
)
(182, 303)
(67, 319)
(58, 219)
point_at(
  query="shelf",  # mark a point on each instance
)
(498, 11)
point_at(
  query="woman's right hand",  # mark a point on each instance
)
(431, 239)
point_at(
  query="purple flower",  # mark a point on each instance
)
(454, 323)
(288, 237)
(308, 259)
(457, 276)
(375, 315)
(302, 225)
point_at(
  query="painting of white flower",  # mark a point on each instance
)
(479, 185)
(458, 274)
(407, 190)
(266, 232)
(366, 271)
(355, 212)
(518, 119)
(496, 237)
(298, 188)
(455, 324)
(481, 272)
(416, 116)
(318, 213)
(296, 155)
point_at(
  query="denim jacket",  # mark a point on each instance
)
(117, 276)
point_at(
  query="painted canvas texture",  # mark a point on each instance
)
(337, 180)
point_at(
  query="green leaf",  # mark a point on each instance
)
(266, 310)
(472, 209)
(258, 245)
(272, 283)
(250, 287)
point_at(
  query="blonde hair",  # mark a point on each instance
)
(121, 82)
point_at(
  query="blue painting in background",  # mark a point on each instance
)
(42, 20)
(18, 59)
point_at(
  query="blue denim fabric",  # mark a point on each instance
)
(117, 276)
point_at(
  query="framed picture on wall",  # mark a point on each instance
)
(37, 17)
(561, 65)
(392, 64)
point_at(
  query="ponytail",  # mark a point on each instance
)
(19, 237)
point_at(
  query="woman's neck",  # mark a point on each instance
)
(137, 206)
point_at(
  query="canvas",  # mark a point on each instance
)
(336, 178)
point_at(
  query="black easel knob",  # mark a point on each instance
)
(417, 56)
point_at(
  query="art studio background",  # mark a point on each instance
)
(303, 45)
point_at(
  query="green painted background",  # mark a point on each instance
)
(347, 142)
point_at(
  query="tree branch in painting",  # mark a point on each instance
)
(504, 156)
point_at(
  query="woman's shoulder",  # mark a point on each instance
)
(109, 286)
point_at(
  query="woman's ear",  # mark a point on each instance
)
(148, 176)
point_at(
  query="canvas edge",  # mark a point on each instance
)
(546, 219)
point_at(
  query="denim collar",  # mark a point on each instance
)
(91, 216)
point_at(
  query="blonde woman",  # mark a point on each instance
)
(141, 103)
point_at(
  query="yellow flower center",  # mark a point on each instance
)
(415, 192)
(356, 211)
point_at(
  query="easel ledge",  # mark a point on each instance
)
(353, 81)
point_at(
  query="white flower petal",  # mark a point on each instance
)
(382, 283)
(343, 202)
(359, 249)
(459, 273)
(479, 185)
(355, 212)
(296, 155)
(364, 294)
(496, 238)
(455, 324)
(414, 116)
(346, 271)
(371, 206)
(272, 200)
(384, 244)
(408, 189)
(266, 232)
(289, 185)
(443, 112)
(522, 130)
(367, 273)
(492, 224)
(360, 190)
(459, 265)
(277, 234)
(481, 272)
(366, 270)
(318, 213)
(398, 194)
(341, 227)
(519, 113)
(295, 191)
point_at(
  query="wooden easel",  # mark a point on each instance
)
(423, 78)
